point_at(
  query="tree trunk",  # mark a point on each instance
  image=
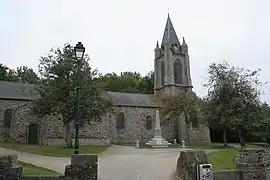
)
(67, 135)
(225, 136)
(187, 135)
(177, 133)
(67, 132)
(242, 140)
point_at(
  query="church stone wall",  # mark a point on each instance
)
(200, 134)
(4, 105)
(51, 129)
(135, 127)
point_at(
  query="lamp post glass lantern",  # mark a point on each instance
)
(79, 53)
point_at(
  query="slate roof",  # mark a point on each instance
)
(21, 91)
(133, 99)
(169, 34)
(17, 91)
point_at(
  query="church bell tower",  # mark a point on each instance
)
(172, 68)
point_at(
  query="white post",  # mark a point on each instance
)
(137, 144)
(183, 144)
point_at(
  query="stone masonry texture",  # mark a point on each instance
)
(9, 170)
(187, 163)
(253, 164)
(83, 167)
(52, 127)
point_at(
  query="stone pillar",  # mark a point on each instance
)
(187, 164)
(182, 127)
(83, 167)
(252, 164)
(9, 169)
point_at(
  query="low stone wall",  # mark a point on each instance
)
(253, 163)
(83, 167)
(199, 135)
(84, 141)
(233, 175)
(227, 175)
(9, 169)
(252, 166)
(219, 175)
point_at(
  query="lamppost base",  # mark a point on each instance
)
(76, 151)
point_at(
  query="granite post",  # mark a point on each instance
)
(187, 163)
(252, 164)
(83, 167)
(182, 127)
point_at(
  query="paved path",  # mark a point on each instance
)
(54, 163)
(117, 163)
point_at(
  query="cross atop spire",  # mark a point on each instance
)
(169, 33)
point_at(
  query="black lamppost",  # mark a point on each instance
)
(79, 52)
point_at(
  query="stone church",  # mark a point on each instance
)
(134, 114)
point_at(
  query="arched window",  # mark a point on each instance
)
(162, 73)
(175, 47)
(8, 118)
(162, 47)
(120, 124)
(186, 69)
(81, 122)
(178, 72)
(195, 123)
(149, 122)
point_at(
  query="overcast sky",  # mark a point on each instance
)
(120, 35)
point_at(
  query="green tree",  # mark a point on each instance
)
(22, 74)
(3, 72)
(26, 75)
(183, 103)
(126, 82)
(146, 83)
(110, 82)
(233, 99)
(130, 82)
(56, 88)
(264, 133)
(7, 74)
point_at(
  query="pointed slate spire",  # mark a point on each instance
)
(157, 46)
(170, 34)
(184, 47)
(184, 42)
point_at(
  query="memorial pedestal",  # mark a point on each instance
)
(158, 141)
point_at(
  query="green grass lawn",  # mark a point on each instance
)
(206, 145)
(53, 150)
(31, 170)
(223, 159)
(218, 146)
